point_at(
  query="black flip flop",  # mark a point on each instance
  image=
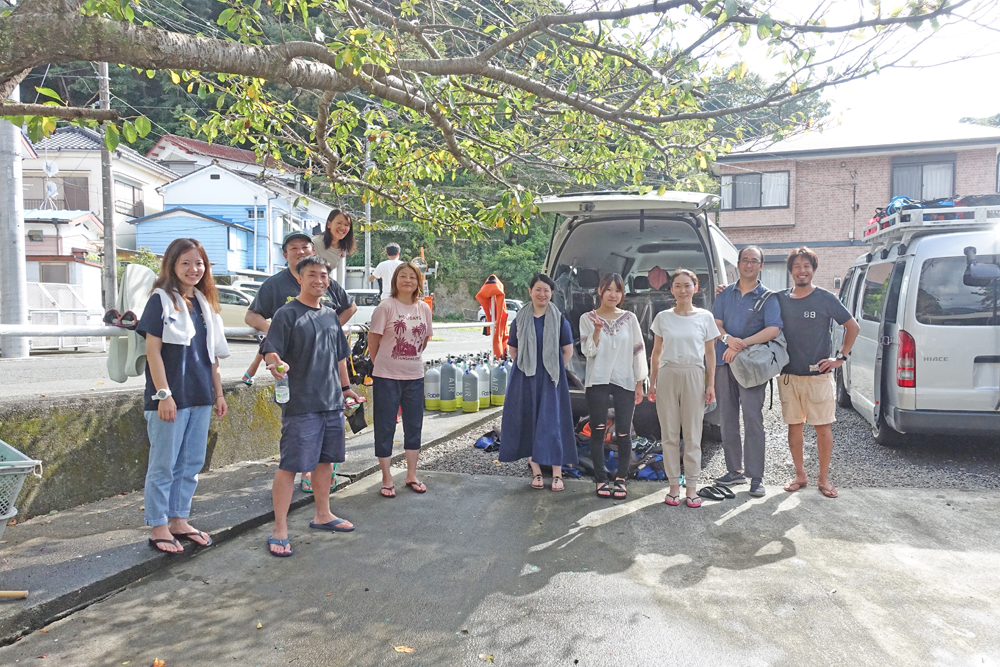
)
(711, 493)
(724, 490)
(153, 543)
(187, 536)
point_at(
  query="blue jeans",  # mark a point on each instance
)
(388, 397)
(176, 456)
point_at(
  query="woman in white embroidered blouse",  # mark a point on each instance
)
(616, 368)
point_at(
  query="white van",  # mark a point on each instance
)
(927, 359)
(632, 234)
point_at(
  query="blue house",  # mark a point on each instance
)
(229, 245)
(243, 217)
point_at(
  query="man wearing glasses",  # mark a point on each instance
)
(741, 327)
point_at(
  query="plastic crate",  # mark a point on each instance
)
(14, 468)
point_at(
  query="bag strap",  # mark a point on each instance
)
(758, 306)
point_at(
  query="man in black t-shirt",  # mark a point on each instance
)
(306, 339)
(283, 286)
(806, 384)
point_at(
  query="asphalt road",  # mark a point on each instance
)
(485, 569)
(68, 373)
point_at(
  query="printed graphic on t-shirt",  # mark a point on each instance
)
(408, 340)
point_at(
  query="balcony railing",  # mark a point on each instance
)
(130, 209)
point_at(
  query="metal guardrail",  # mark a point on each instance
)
(29, 330)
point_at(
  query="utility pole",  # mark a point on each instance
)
(13, 277)
(108, 206)
(368, 213)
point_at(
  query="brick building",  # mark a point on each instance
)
(820, 189)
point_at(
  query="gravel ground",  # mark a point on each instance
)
(858, 461)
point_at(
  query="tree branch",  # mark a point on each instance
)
(19, 109)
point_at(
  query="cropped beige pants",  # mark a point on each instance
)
(680, 404)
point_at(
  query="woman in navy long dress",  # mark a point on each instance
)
(537, 415)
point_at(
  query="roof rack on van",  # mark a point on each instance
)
(910, 223)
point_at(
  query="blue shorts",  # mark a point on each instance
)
(310, 439)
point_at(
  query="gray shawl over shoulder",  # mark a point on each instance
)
(527, 345)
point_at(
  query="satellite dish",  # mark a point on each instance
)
(50, 168)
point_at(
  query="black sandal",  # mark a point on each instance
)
(724, 490)
(603, 490)
(620, 492)
(711, 493)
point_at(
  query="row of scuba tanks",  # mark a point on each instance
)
(465, 383)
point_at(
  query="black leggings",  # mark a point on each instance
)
(599, 398)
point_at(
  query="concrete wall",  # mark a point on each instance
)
(94, 447)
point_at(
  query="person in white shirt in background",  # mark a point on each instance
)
(616, 368)
(386, 268)
(684, 342)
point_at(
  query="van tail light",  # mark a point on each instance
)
(906, 361)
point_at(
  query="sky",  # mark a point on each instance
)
(929, 95)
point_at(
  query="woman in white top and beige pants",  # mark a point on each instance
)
(616, 368)
(684, 341)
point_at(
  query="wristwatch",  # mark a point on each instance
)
(841, 356)
(725, 337)
(162, 394)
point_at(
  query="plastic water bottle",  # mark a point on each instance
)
(470, 391)
(281, 392)
(432, 388)
(498, 383)
(483, 370)
(448, 383)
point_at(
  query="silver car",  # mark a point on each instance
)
(927, 359)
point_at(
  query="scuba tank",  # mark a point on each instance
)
(432, 387)
(448, 382)
(483, 370)
(498, 382)
(470, 391)
(459, 381)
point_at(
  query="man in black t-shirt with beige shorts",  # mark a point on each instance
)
(806, 384)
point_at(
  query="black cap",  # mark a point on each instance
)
(294, 235)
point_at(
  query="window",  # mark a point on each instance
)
(943, 298)
(892, 299)
(53, 272)
(36, 236)
(759, 190)
(232, 298)
(845, 287)
(72, 192)
(255, 213)
(774, 274)
(128, 200)
(876, 285)
(924, 177)
(235, 240)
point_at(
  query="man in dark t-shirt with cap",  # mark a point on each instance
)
(806, 383)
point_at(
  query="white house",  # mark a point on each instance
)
(75, 182)
(267, 208)
(185, 155)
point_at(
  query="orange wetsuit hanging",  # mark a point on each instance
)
(491, 298)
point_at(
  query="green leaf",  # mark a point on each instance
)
(129, 130)
(142, 126)
(111, 137)
(764, 25)
(571, 87)
(709, 6)
(731, 7)
(225, 16)
(48, 92)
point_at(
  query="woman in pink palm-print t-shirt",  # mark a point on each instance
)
(400, 329)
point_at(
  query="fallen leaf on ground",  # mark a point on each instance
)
(43, 630)
(329, 594)
(159, 663)
(12, 522)
(486, 657)
(403, 649)
(44, 655)
(259, 626)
